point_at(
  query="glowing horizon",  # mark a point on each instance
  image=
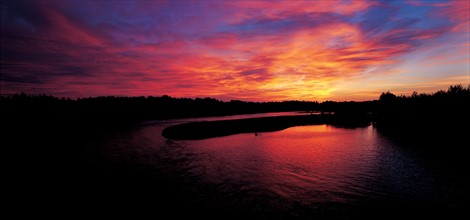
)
(246, 50)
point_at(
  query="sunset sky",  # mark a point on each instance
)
(247, 50)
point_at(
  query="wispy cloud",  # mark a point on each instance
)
(253, 50)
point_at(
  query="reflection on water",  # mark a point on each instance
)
(317, 167)
(307, 164)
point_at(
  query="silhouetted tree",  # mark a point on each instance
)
(426, 116)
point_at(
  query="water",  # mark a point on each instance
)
(300, 171)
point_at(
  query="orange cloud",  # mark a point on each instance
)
(305, 63)
(252, 50)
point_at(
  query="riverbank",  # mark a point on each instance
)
(210, 129)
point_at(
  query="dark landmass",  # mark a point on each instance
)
(53, 127)
(52, 146)
(209, 129)
(439, 118)
(124, 110)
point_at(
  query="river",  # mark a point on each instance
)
(303, 171)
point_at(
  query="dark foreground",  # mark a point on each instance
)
(55, 161)
(70, 170)
(89, 177)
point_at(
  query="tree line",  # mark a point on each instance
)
(389, 109)
(426, 116)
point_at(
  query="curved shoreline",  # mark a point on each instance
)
(210, 129)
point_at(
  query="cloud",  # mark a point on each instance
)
(458, 12)
(254, 50)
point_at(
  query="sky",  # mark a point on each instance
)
(336, 50)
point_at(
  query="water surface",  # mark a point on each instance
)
(297, 172)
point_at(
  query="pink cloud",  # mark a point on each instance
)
(245, 51)
(282, 9)
(459, 12)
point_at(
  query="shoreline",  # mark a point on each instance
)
(209, 129)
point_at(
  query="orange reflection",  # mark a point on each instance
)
(306, 164)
